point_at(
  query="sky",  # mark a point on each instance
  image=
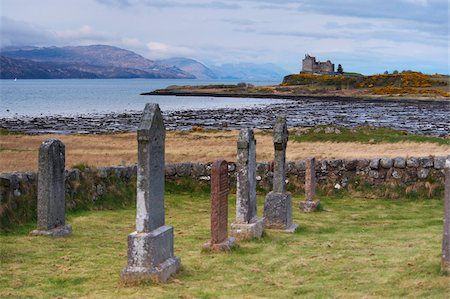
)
(366, 36)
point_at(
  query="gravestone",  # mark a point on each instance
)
(278, 203)
(219, 209)
(150, 247)
(310, 204)
(51, 190)
(445, 262)
(247, 224)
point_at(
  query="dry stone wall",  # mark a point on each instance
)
(18, 191)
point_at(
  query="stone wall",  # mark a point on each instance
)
(112, 186)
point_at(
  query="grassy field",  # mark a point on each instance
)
(19, 152)
(358, 248)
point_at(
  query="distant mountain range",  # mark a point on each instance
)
(101, 61)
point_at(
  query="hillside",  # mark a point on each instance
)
(97, 61)
(249, 71)
(411, 83)
(191, 66)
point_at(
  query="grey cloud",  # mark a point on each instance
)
(171, 4)
(236, 21)
(17, 33)
(433, 11)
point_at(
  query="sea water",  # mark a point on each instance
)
(97, 96)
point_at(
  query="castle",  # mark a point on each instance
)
(311, 66)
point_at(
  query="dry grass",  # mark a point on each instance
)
(19, 152)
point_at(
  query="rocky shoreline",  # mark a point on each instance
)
(428, 118)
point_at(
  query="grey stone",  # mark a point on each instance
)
(374, 174)
(151, 136)
(374, 164)
(245, 231)
(426, 162)
(246, 177)
(60, 231)
(422, 173)
(171, 169)
(17, 193)
(396, 174)
(280, 139)
(184, 169)
(399, 162)
(412, 162)
(278, 203)
(311, 205)
(290, 168)
(439, 162)
(198, 170)
(278, 211)
(362, 164)
(150, 257)
(262, 168)
(350, 164)
(386, 163)
(247, 224)
(300, 165)
(51, 188)
(150, 247)
(445, 261)
(310, 179)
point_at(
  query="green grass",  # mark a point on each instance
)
(367, 134)
(359, 248)
(4, 132)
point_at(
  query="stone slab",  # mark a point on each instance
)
(219, 201)
(309, 205)
(278, 210)
(226, 245)
(290, 230)
(161, 273)
(445, 261)
(150, 171)
(150, 256)
(246, 177)
(246, 231)
(60, 231)
(51, 189)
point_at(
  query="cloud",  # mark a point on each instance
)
(84, 35)
(160, 50)
(429, 11)
(18, 33)
(171, 4)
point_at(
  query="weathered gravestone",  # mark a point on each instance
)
(51, 192)
(445, 262)
(150, 247)
(310, 204)
(247, 224)
(278, 203)
(219, 209)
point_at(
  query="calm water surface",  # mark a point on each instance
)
(87, 96)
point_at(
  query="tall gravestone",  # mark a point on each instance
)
(311, 203)
(445, 262)
(247, 225)
(150, 247)
(278, 203)
(219, 209)
(51, 190)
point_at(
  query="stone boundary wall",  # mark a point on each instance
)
(18, 190)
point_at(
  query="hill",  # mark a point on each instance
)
(191, 66)
(249, 71)
(97, 61)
